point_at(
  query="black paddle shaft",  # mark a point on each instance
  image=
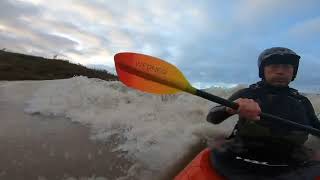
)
(234, 105)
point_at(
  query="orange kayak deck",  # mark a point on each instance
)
(199, 169)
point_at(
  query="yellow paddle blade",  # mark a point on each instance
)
(150, 74)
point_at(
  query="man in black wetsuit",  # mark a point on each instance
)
(264, 148)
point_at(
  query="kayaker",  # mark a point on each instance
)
(264, 148)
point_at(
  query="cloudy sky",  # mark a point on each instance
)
(211, 41)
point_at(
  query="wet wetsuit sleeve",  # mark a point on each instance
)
(312, 115)
(218, 114)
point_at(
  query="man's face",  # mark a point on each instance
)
(278, 74)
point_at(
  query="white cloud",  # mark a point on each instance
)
(154, 27)
(36, 2)
(120, 40)
(98, 56)
(211, 36)
(307, 29)
(266, 12)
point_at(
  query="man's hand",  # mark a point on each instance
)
(248, 109)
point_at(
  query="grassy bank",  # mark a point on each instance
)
(16, 66)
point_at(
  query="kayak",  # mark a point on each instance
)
(200, 168)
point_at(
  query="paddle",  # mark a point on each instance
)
(153, 75)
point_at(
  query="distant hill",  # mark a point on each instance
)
(16, 66)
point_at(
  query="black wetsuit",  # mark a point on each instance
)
(267, 148)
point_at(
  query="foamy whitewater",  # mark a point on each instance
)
(156, 131)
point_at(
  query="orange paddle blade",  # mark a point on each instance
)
(150, 74)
